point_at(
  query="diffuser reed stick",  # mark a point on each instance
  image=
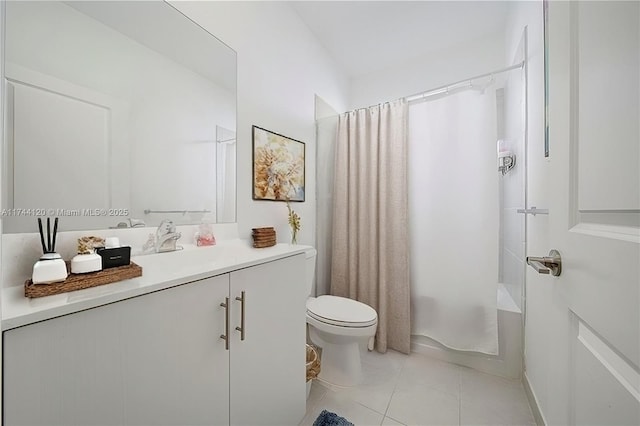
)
(44, 247)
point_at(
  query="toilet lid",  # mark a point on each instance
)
(341, 311)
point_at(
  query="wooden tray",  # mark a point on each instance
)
(81, 281)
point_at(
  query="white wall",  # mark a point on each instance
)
(480, 56)
(529, 14)
(281, 67)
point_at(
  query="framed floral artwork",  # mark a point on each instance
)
(278, 166)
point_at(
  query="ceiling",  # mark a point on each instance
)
(365, 36)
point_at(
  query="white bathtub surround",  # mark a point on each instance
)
(21, 251)
(454, 217)
(508, 361)
(370, 247)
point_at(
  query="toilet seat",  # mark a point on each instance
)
(341, 312)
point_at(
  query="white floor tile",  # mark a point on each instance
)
(491, 400)
(415, 404)
(390, 361)
(418, 390)
(388, 421)
(316, 394)
(374, 397)
(473, 381)
(422, 370)
(488, 413)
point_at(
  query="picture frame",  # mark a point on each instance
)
(278, 166)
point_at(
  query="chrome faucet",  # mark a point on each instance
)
(137, 223)
(133, 223)
(166, 236)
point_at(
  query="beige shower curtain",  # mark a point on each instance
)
(370, 249)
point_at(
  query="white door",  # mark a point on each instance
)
(268, 366)
(583, 327)
(50, 132)
(50, 123)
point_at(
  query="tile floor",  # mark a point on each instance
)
(418, 390)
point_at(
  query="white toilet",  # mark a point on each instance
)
(339, 326)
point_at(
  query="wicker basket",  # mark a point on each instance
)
(313, 363)
(264, 237)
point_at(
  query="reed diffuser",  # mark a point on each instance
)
(50, 268)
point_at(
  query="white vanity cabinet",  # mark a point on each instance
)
(159, 359)
(268, 368)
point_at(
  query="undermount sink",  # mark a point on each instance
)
(192, 256)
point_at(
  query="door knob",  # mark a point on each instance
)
(551, 264)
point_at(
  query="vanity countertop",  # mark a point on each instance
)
(159, 271)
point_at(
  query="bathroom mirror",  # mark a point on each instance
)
(116, 114)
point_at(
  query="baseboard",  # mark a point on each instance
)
(533, 401)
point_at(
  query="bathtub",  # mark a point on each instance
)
(508, 362)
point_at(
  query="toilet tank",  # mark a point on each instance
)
(310, 270)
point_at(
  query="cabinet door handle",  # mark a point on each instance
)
(225, 336)
(241, 299)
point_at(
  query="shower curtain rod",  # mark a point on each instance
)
(445, 88)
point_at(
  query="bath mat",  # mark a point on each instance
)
(327, 418)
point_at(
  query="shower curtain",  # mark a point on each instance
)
(454, 220)
(369, 243)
